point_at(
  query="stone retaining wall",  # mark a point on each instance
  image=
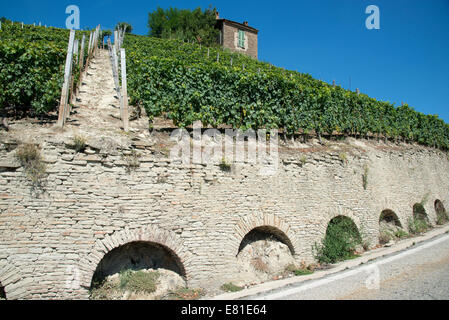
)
(52, 240)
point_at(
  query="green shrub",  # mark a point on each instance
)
(230, 287)
(388, 235)
(224, 166)
(103, 290)
(139, 281)
(401, 234)
(301, 271)
(340, 242)
(417, 225)
(442, 218)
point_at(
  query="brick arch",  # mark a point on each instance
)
(388, 204)
(420, 211)
(439, 205)
(268, 222)
(151, 234)
(15, 287)
(390, 215)
(440, 211)
(344, 213)
(442, 199)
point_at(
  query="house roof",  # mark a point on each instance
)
(238, 25)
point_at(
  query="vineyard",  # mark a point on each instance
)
(187, 82)
(32, 63)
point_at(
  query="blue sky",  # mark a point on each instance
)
(406, 60)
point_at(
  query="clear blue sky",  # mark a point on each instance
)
(406, 60)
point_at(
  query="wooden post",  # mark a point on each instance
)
(116, 80)
(218, 57)
(72, 79)
(90, 44)
(81, 60)
(125, 116)
(0, 25)
(76, 50)
(89, 49)
(122, 37)
(92, 48)
(115, 41)
(208, 52)
(358, 91)
(97, 31)
(65, 88)
(333, 83)
(97, 35)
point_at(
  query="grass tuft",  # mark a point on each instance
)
(230, 287)
(139, 282)
(30, 158)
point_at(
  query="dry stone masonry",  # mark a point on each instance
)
(52, 241)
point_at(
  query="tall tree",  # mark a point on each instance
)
(184, 24)
(124, 25)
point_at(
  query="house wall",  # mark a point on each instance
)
(230, 40)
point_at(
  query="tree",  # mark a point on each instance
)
(124, 26)
(106, 33)
(184, 24)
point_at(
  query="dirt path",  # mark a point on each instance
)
(97, 104)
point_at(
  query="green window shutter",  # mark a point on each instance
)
(241, 38)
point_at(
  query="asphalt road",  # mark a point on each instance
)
(418, 273)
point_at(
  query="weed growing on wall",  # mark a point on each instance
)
(365, 176)
(139, 282)
(30, 158)
(224, 166)
(417, 225)
(442, 216)
(230, 287)
(79, 144)
(340, 242)
(132, 161)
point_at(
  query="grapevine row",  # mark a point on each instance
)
(187, 82)
(32, 67)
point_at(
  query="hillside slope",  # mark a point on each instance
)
(187, 82)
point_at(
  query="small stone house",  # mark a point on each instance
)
(238, 37)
